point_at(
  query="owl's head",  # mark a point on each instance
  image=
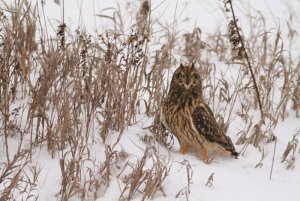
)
(187, 77)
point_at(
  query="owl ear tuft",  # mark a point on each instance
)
(181, 66)
(193, 65)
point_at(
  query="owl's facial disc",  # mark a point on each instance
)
(187, 80)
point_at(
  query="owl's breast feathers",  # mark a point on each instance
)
(207, 126)
(183, 98)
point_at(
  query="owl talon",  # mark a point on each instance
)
(183, 150)
(206, 161)
(204, 155)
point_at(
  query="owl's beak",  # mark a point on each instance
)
(187, 83)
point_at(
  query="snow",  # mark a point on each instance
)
(234, 179)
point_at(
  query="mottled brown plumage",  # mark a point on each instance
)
(185, 113)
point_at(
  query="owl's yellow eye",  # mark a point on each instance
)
(181, 76)
(193, 76)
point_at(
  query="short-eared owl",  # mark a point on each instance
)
(185, 113)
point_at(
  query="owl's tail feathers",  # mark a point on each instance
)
(234, 154)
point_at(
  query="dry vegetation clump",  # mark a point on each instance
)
(185, 191)
(72, 91)
(156, 88)
(290, 150)
(296, 95)
(17, 178)
(263, 52)
(143, 179)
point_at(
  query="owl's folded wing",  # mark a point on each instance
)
(206, 125)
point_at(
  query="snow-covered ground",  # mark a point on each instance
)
(234, 179)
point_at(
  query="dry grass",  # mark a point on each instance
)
(290, 151)
(185, 191)
(146, 180)
(76, 89)
(210, 180)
